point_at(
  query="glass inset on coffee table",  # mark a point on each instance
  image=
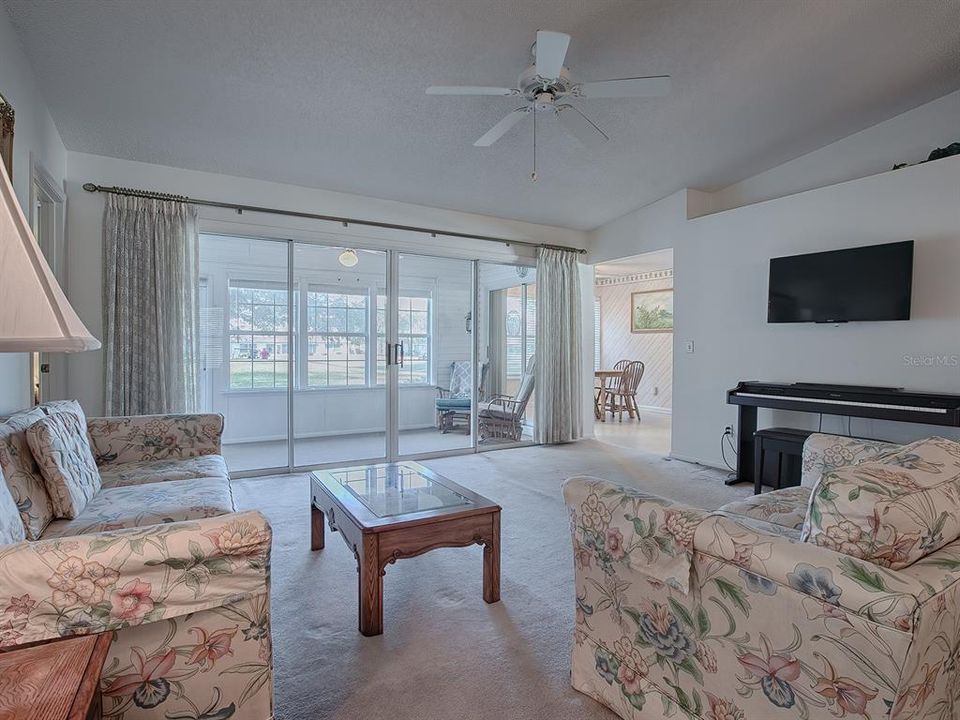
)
(390, 511)
(398, 489)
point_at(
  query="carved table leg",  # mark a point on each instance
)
(491, 562)
(371, 587)
(316, 528)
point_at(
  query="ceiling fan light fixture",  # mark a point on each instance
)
(348, 258)
(546, 85)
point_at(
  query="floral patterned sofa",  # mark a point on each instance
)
(683, 613)
(159, 557)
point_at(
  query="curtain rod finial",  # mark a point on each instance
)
(89, 187)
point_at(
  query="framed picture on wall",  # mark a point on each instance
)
(651, 311)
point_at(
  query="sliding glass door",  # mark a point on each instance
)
(434, 307)
(340, 402)
(245, 309)
(507, 330)
(320, 354)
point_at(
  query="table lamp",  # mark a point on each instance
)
(34, 313)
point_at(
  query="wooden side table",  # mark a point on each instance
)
(56, 680)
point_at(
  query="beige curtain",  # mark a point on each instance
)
(150, 306)
(559, 376)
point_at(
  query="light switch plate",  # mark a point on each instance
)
(690, 346)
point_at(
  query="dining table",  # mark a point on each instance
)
(601, 400)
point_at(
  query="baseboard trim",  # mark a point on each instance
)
(655, 409)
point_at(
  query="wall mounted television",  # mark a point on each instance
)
(851, 285)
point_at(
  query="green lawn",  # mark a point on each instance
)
(243, 378)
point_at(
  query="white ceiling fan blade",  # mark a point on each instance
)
(501, 128)
(469, 90)
(580, 126)
(625, 87)
(551, 51)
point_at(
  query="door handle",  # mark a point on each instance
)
(395, 354)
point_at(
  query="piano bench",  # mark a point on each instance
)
(786, 444)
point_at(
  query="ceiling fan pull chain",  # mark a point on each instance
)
(533, 175)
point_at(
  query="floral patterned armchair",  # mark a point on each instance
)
(160, 559)
(681, 613)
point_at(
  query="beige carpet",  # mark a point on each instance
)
(445, 654)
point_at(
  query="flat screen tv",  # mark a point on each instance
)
(856, 284)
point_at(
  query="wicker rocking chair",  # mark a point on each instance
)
(501, 417)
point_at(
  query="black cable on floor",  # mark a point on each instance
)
(723, 451)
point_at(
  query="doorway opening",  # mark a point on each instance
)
(48, 376)
(633, 351)
(507, 338)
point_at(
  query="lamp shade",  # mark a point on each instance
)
(34, 313)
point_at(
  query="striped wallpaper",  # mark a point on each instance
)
(618, 343)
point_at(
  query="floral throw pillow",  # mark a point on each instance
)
(23, 478)
(823, 452)
(62, 450)
(460, 379)
(891, 511)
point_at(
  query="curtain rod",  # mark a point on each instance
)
(345, 221)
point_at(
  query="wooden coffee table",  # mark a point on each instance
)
(390, 511)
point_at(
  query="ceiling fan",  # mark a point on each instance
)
(545, 86)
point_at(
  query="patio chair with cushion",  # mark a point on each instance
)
(501, 417)
(453, 402)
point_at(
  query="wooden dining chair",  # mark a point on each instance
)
(624, 395)
(612, 384)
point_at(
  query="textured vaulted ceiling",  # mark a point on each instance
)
(331, 94)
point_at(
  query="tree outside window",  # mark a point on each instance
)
(337, 331)
(259, 350)
(414, 333)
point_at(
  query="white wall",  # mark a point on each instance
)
(36, 140)
(652, 227)
(841, 195)
(721, 268)
(906, 138)
(84, 221)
